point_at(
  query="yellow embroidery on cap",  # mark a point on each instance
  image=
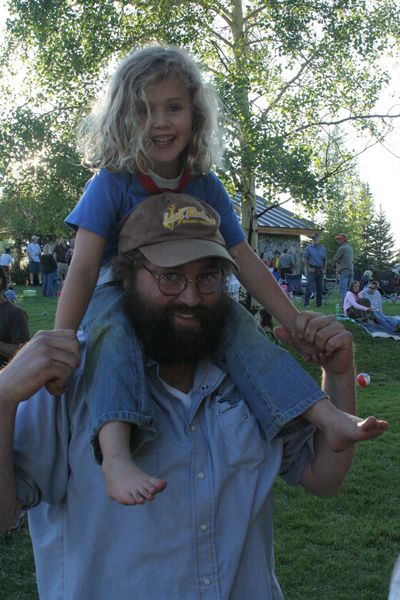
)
(186, 214)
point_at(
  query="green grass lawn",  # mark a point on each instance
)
(341, 548)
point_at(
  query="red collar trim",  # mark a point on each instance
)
(152, 188)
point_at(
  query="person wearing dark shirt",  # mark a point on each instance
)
(49, 269)
(14, 328)
(286, 263)
(59, 254)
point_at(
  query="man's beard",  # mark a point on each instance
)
(169, 343)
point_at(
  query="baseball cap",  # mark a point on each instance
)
(34, 237)
(341, 236)
(172, 229)
(315, 235)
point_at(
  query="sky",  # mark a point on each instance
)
(379, 166)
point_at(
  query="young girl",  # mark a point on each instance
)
(156, 129)
(356, 307)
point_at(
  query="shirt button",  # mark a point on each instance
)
(203, 527)
(192, 428)
(207, 581)
(201, 475)
(204, 387)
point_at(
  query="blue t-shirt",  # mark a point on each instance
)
(109, 198)
(316, 255)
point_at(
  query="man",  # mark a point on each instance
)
(7, 262)
(210, 531)
(59, 254)
(14, 328)
(286, 263)
(34, 251)
(371, 293)
(314, 258)
(344, 260)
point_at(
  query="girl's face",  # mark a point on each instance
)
(356, 287)
(170, 124)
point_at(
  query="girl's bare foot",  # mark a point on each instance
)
(345, 430)
(340, 429)
(127, 484)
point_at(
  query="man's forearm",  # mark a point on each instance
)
(330, 468)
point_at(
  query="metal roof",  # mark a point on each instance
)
(278, 216)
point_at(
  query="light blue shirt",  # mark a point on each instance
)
(316, 255)
(208, 535)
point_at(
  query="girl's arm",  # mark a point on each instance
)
(81, 279)
(255, 276)
(351, 299)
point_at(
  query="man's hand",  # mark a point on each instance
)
(50, 356)
(321, 339)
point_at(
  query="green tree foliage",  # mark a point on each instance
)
(287, 73)
(348, 202)
(379, 248)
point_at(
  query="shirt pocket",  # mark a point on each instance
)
(243, 441)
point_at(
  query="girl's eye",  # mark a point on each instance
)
(175, 107)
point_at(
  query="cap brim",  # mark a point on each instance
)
(179, 252)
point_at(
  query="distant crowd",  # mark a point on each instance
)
(47, 265)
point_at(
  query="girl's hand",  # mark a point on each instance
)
(320, 339)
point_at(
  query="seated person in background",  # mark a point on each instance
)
(366, 278)
(10, 293)
(355, 307)
(371, 293)
(14, 328)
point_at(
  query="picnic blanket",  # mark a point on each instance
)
(374, 329)
(378, 331)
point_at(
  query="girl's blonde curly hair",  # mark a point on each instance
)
(113, 136)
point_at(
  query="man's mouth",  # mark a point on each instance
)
(187, 316)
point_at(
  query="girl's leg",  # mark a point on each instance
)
(125, 482)
(255, 365)
(277, 395)
(119, 401)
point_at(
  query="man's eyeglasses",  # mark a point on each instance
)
(173, 284)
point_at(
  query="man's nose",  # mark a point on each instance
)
(190, 294)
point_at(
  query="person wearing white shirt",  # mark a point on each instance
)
(371, 293)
